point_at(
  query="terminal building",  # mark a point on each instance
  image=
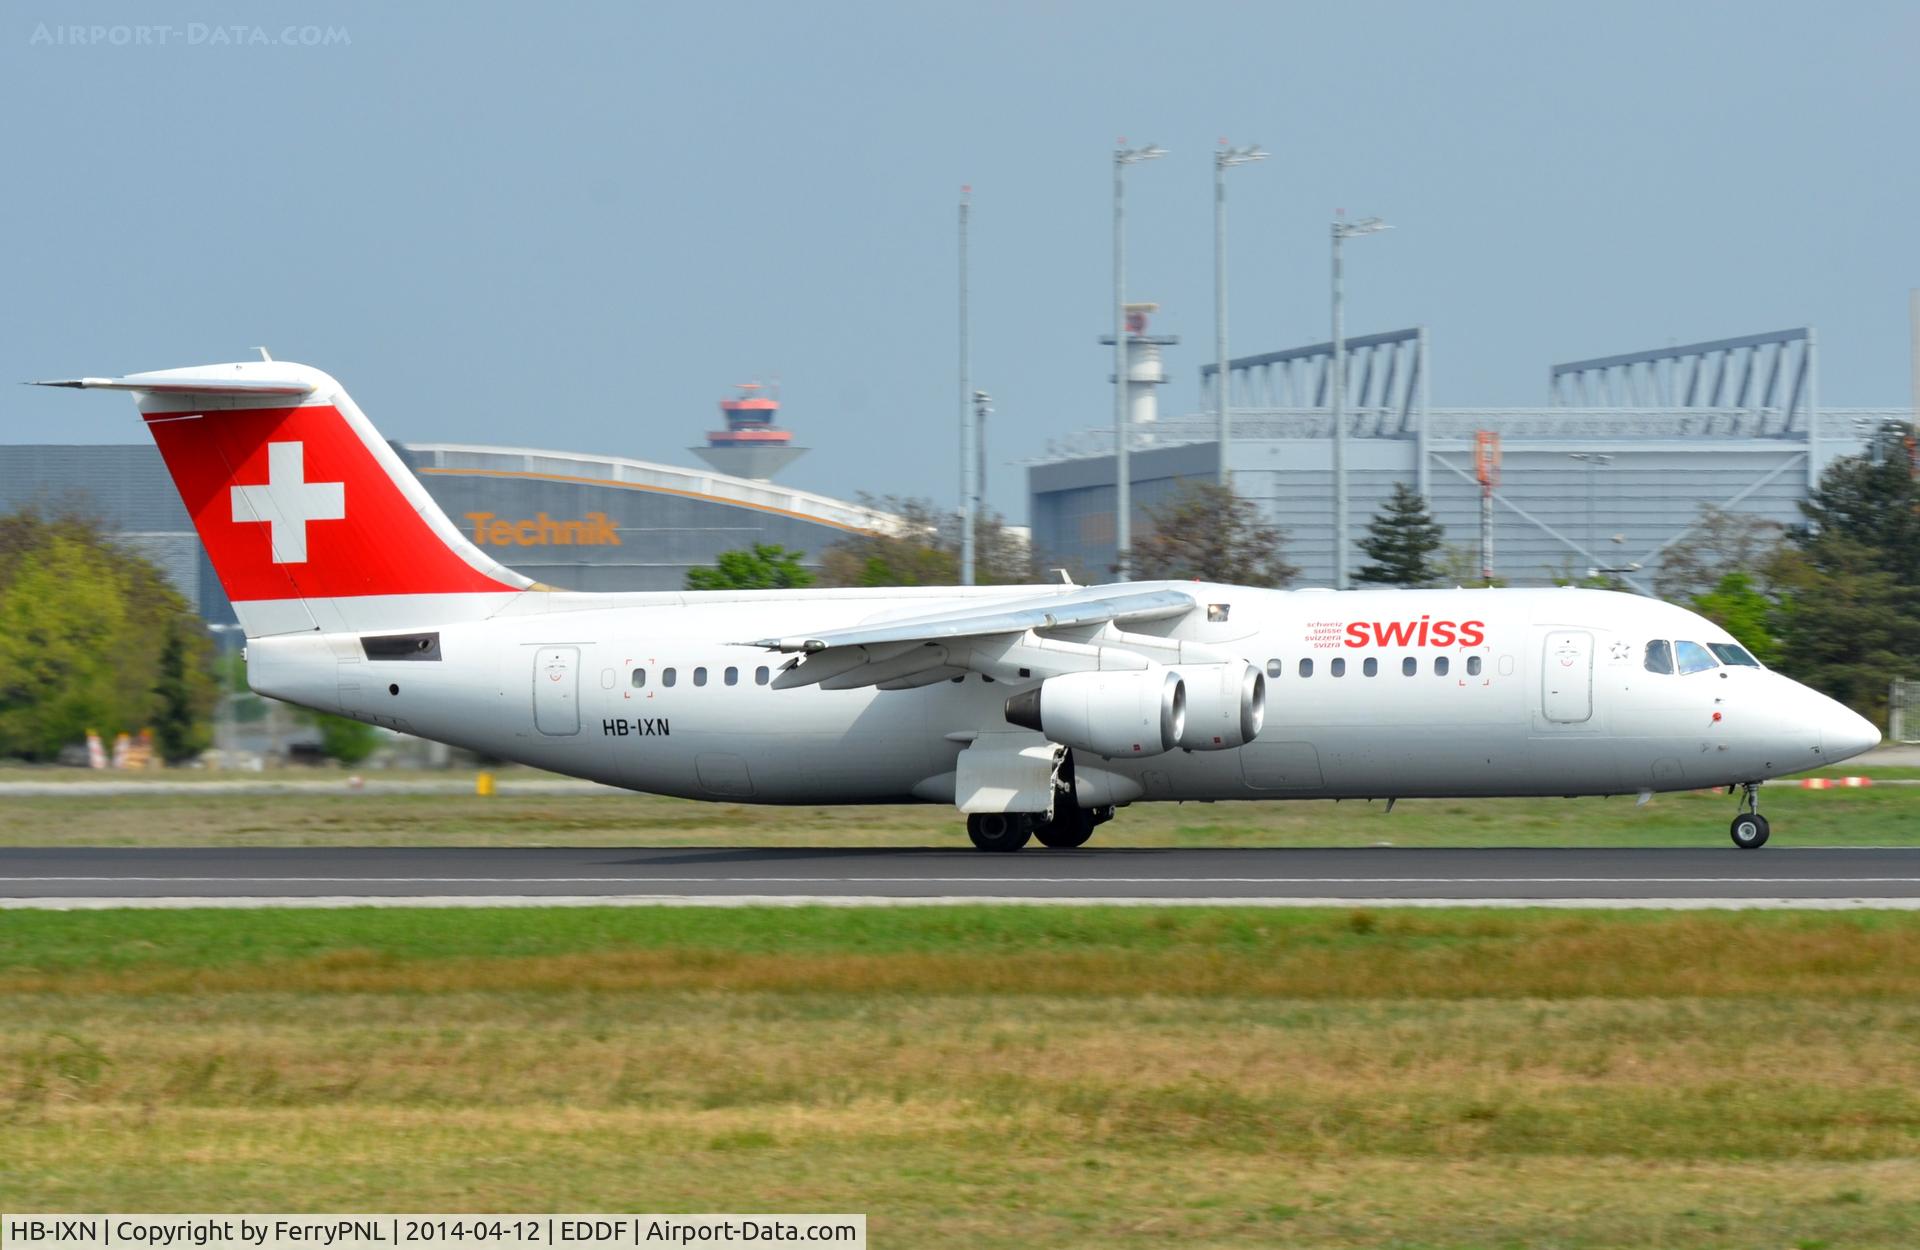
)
(1610, 471)
(580, 522)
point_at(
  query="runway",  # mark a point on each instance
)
(1380, 876)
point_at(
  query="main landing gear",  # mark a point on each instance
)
(1009, 831)
(1750, 828)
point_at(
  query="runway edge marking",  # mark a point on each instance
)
(804, 900)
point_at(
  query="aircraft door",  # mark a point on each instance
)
(1566, 676)
(556, 690)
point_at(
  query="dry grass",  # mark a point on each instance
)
(986, 1077)
(1886, 815)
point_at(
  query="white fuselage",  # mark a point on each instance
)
(1550, 693)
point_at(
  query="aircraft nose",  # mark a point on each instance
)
(1844, 733)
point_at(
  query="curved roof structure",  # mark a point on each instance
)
(620, 472)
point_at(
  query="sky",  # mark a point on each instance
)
(575, 226)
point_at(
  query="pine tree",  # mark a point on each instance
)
(179, 717)
(1400, 542)
(1848, 582)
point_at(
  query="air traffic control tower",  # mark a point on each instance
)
(1145, 370)
(751, 446)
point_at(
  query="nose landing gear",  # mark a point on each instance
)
(1750, 828)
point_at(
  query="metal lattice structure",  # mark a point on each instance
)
(1385, 384)
(1769, 373)
(1611, 474)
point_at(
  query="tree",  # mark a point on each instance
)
(922, 548)
(1872, 500)
(1400, 542)
(84, 627)
(766, 566)
(1844, 627)
(59, 621)
(1002, 555)
(344, 739)
(1459, 565)
(1847, 583)
(1736, 605)
(1720, 542)
(180, 729)
(1206, 531)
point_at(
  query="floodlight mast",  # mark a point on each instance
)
(967, 486)
(1342, 230)
(982, 405)
(1123, 156)
(1224, 158)
(1594, 460)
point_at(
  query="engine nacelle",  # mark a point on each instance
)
(1115, 714)
(1226, 705)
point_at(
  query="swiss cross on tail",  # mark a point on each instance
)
(297, 498)
(288, 502)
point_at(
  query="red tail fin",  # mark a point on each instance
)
(310, 519)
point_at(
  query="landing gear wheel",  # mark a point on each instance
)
(1750, 828)
(999, 831)
(1067, 830)
(1750, 831)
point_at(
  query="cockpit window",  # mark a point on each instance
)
(1733, 653)
(1659, 656)
(1693, 657)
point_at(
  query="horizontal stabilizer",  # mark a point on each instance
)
(178, 382)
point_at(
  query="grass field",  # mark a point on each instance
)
(986, 1077)
(1886, 815)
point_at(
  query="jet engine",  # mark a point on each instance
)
(1124, 714)
(1226, 705)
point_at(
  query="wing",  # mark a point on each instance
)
(1032, 636)
(1004, 617)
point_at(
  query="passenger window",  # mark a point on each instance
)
(760, 675)
(1339, 667)
(1473, 666)
(1370, 666)
(668, 676)
(639, 678)
(1306, 668)
(733, 676)
(1409, 666)
(1440, 666)
(700, 676)
(1275, 668)
(1693, 658)
(1733, 653)
(1659, 656)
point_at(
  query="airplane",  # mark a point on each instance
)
(1037, 711)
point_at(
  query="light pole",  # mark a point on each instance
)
(982, 405)
(1342, 230)
(1223, 160)
(966, 389)
(1123, 484)
(1593, 460)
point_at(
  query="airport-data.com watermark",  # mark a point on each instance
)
(187, 35)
